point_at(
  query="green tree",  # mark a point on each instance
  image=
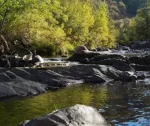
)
(143, 22)
(100, 30)
(80, 19)
(37, 21)
(55, 25)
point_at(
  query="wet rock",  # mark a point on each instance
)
(93, 50)
(118, 64)
(141, 45)
(125, 48)
(27, 57)
(117, 61)
(138, 67)
(143, 82)
(32, 81)
(102, 49)
(92, 58)
(108, 56)
(4, 62)
(81, 49)
(143, 60)
(4, 77)
(33, 59)
(16, 61)
(78, 115)
(23, 82)
(103, 71)
(137, 60)
(147, 59)
(20, 87)
(81, 57)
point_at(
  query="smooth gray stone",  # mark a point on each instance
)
(78, 115)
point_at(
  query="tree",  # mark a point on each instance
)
(122, 8)
(100, 29)
(80, 19)
(143, 21)
(56, 25)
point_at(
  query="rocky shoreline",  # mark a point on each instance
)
(94, 67)
(33, 81)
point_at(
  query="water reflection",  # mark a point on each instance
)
(121, 104)
(128, 105)
(16, 110)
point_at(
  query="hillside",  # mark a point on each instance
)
(55, 27)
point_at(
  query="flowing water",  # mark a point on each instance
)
(121, 104)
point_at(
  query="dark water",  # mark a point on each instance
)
(121, 105)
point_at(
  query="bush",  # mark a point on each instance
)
(44, 49)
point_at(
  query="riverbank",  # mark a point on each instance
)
(96, 68)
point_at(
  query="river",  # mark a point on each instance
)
(120, 103)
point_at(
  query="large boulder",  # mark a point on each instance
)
(78, 115)
(82, 54)
(81, 49)
(82, 57)
(91, 57)
(33, 59)
(119, 62)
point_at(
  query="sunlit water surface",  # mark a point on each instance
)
(121, 105)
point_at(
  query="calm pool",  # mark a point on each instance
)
(121, 105)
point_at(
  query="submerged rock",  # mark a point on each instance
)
(78, 115)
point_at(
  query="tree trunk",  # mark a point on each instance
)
(5, 44)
